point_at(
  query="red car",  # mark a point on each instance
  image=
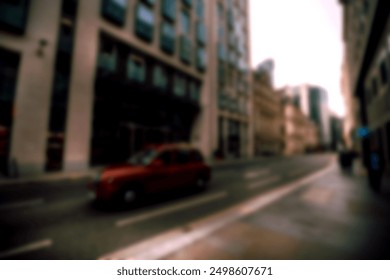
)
(155, 169)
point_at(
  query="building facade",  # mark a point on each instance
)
(231, 57)
(313, 102)
(366, 33)
(267, 112)
(301, 134)
(86, 83)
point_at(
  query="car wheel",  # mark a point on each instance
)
(201, 183)
(129, 196)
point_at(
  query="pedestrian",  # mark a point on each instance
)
(375, 168)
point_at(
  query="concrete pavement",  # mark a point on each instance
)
(335, 216)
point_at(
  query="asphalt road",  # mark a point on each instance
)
(57, 220)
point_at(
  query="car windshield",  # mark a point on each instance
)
(144, 157)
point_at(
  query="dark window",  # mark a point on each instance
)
(66, 39)
(194, 92)
(13, 15)
(136, 69)
(114, 10)
(185, 49)
(144, 22)
(185, 25)
(167, 37)
(200, 33)
(107, 59)
(160, 79)
(221, 72)
(200, 9)
(187, 2)
(221, 52)
(168, 9)
(201, 58)
(384, 72)
(179, 86)
(69, 8)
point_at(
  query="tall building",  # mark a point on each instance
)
(366, 33)
(267, 112)
(85, 83)
(231, 57)
(313, 101)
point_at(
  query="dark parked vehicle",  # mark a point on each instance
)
(155, 169)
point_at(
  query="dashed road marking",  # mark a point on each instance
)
(263, 182)
(256, 173)
(171, 208)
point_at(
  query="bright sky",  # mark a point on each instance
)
(304, 37)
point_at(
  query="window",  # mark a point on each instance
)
(107, 60)
(144, 22)
(384, 72)
(200, 33)
(159, 77)
(194, 92)
(187, 2)
(179, 87)
(200, 9)
(135, 69)
(201, 58)
(167, 37)
(185, 49)
(185, 22)
(114, 10)
(13, 15)
(168, 9)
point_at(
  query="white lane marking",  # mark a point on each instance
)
(263, 182)
(21, 204)
(171, 241)
(171, 208)
(256, 173)
(27, 248)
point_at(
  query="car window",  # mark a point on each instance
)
(143, 157)
(166, 157)
(183, 157)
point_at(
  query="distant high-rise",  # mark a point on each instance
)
(313, 101)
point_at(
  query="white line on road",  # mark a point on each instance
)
(171, 208)
(21, 204)
(263, 182)
(168, 242)
(256, 173)
(27, 248)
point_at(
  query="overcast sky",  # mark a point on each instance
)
(304, 37)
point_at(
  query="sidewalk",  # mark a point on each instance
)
(335, 216)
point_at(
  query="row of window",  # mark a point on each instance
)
(115, 11)
(226, 102)
(139, 70)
